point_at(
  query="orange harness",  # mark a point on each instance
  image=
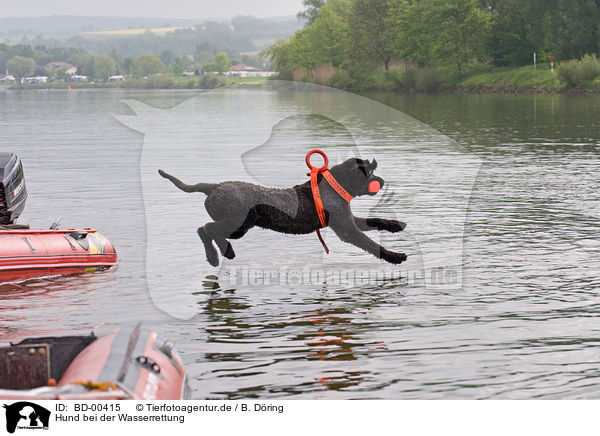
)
(324, 171)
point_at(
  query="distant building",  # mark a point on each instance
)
(241, 70)
(55, 66)
(116, 78)
(76, 78)
(34, 79)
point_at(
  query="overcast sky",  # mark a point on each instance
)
(151, 8)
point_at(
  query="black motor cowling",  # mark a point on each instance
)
(13, 191)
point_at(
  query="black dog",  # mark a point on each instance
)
(236, 207)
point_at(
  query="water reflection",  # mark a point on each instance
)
(22, 302)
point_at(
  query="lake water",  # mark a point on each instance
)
(501, 193)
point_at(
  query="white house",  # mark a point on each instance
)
(55, 66)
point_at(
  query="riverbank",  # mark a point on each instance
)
(525, 79)
(480, 80)
(207, 81)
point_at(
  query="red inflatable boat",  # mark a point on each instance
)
(26, 253)
(35, 253)
(126, 363)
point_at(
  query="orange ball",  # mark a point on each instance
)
(374, 186)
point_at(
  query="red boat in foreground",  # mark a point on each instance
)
(26, 253)
(36, 253)
(124, 364)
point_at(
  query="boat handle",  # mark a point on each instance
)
(29, 244)
(148, 363)
(73, 246)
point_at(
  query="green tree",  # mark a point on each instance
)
(297, 52)
(104, 67)
(325, 41)
(118, 59)
(89, 69)
(312, 10)
(330, 34)
(60, 74)
(167, 57)
(373, 33)
(509, 42)
(209, 68)
(204, 52)
(146, 65)
(577, 25)
(25, 50)
(279, 54)
(443, 32)
(564, 28)
(4, 58)
(222, 62)
(20, 67)
(178, 66)
(127, 64)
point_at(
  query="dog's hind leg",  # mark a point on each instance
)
(246, 225)
(211, 254)
(225, 247)
(219, 231)
(366, 224)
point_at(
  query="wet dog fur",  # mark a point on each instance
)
(236, 207)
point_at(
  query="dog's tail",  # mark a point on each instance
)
(200, 187)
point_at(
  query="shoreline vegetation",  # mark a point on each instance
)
(158, 81)
(484, 80)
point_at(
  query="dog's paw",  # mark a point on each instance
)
(395, 258)
(229, 253)
(213, 258)
(394, 226)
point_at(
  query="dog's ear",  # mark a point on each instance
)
(374, 164)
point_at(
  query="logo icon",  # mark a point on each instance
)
(26, 415)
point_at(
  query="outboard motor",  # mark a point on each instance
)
(13, 192)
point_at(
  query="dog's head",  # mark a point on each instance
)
(356, 176)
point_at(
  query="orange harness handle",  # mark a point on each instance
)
(324, 171)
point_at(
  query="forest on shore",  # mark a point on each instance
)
(432, 44)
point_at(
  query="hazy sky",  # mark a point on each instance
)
(150, 8)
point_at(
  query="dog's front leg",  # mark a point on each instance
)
(348, 231)
(366, 224)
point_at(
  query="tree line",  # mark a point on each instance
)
(23, 60)
(359, 36)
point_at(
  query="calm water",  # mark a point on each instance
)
(500, 191)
